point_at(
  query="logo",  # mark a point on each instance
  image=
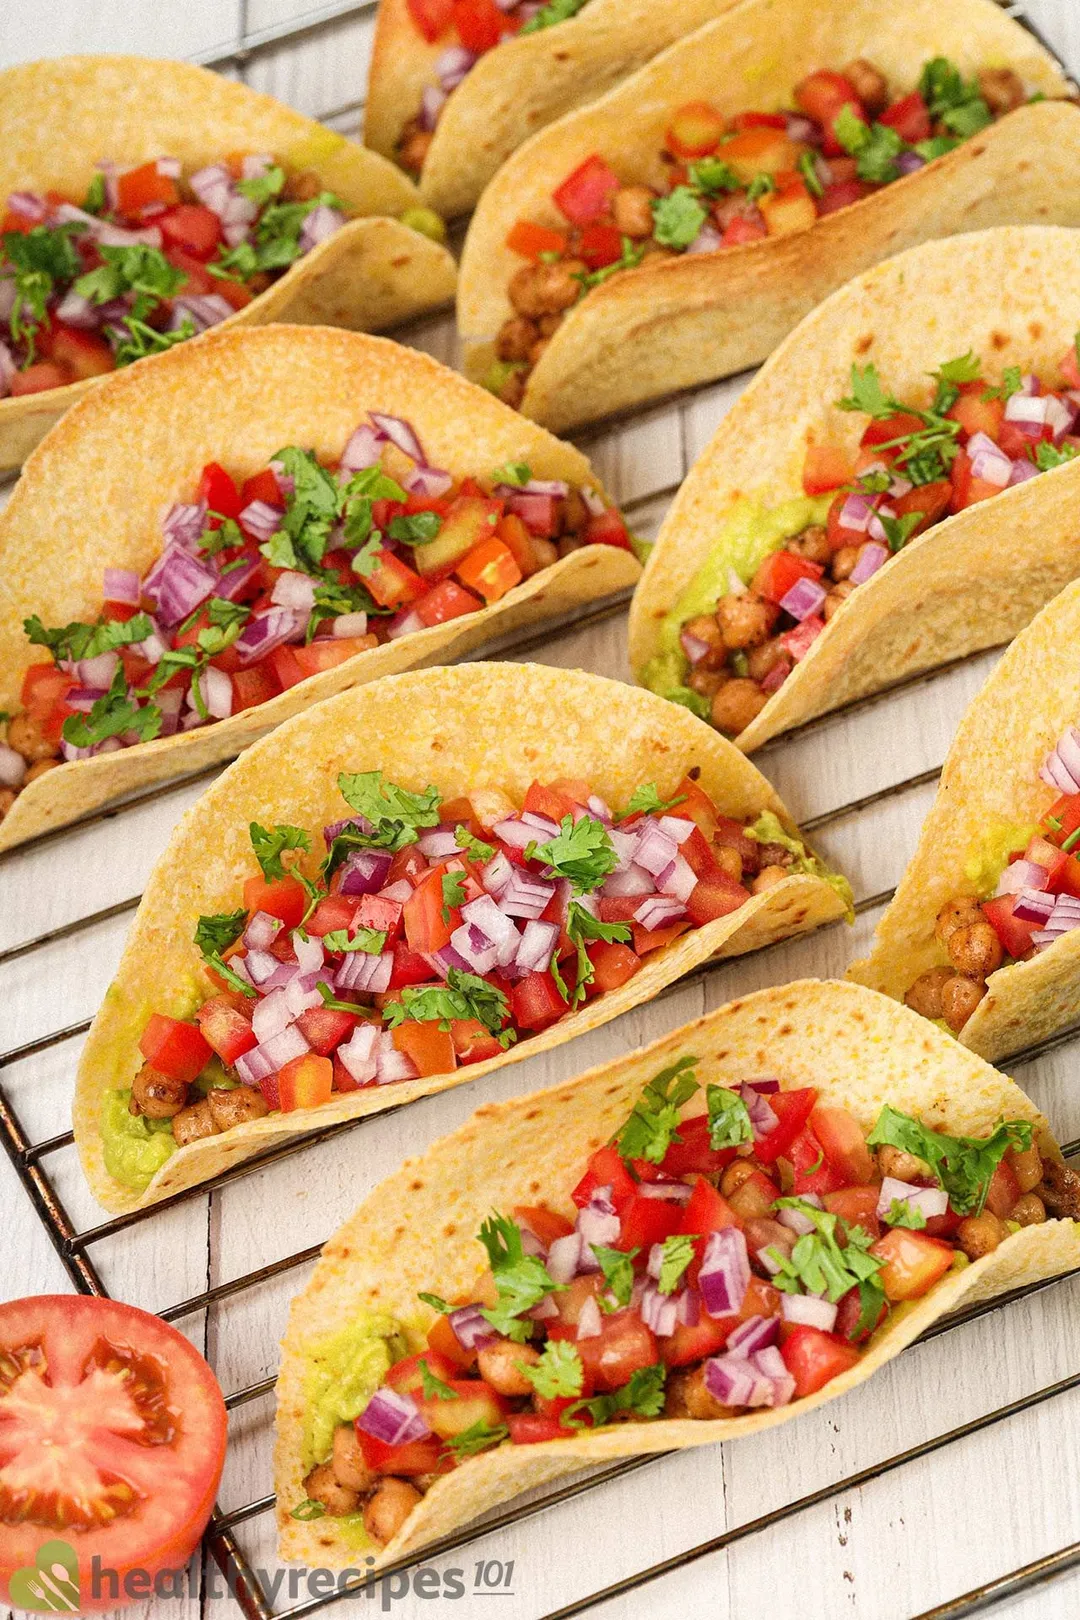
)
(51, 1584)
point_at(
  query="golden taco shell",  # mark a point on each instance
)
(472, 726)
(93, 493)
(59, 118)
(1012, 296)
(512, 91)
(418, 1229)
(672, 323)
(990, 780)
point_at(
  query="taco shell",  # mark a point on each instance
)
(523, 84)
(991, 778)
(418, 1229)
(491, 725)
(58, 118)
(1012, 296)
(93, 494)
(672, 323)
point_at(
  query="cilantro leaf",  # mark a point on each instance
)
(475, 848)
(111, 716)
(453, 892)
(902, 1212)
(223, 538)
(464, 995)
(261, 187)
(678, 217)
(643, 1395)
(312, 507)
(678, 1251)
(964, 1165)
(521, 1280)
(653, 1122)
(270, 844)
(330, 1001)
(760, 186)
(417, 528)
(582, 927)
(141, 339)
(898, 530)
(818, 1264)
(77, 641)
(646, 799)
(479, 1437)
(1048, 456)
(966, 368)
(581, 851)
(371, 941)
(517, 473)
(807, 167)
(94, 201)
(395, 814)
(618, 1268)
(434, 1388)
(729, 1118)
(43, 259)
(868, 395)
(137, 268)
(555, 11)
(218, 932)
(1011, 383)
(712, 176)
(558, 1373)
(437, 1303)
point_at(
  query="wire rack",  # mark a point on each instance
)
(74, 1245)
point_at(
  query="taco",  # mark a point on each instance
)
(609, 1268)
(416, 882)
(175, 200)
(803, 566)
(981, 933)
(457, 85)
(633, 248)
(218, 575)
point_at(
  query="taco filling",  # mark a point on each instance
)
(1027, 895)
(700, 1268)
(470, 28)
(775, 578)
(436, 934)
(718, 183)
(148, 257)
(267, 580)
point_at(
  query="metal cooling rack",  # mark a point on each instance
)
(72, 1245)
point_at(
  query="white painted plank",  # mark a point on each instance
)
(58, 28)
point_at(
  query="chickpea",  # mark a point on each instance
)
(155, 1095)
(959, 999)
(27, 739)
(761, 661)
(730, 861)
(259, 282)
(499, 1366)
(321, 1486)
(924, 996)
(706, 628)
(40, 769)
(1001, 89)
(512, 389)
(569, 543)
(388, 1508)
(763, 1232)
(537, 350)
(688, 1396)
(736, 704)
(903, 1166)
(7, 799)
(746, 620)
(303, 187)
(975, 950)
(545, 552)
(813, 544)
(751, 1199)
(546, 289)
(707, 682)
(836, 599)
(548, 324)
(870, 85)
(347, 1460)
(193, 1123)
(981, 1234)
(235, 1105)
(413, 148)
(573, 513)
(768, 878)
(737, 1172)
(631, 209)
(516, 337)
(954, 914)
(1028, 1211)
(1027, 1167)
(844, 561)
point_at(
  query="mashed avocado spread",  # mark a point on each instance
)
(135, 1147)
(989, 853)
(343, 1372)
(767, 829)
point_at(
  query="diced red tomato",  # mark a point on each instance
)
(849, 1316)
(910, 117)
(693, 1153)
(758, 120)
(393, 583)
(409, 864)
(841, 194)
(788, 209)
(220, 493)
(715, 897)
(646, 1221)
(606, 1169)
(284, 898)
(623, 1347)
(838, 532)
(407, 1375)
(82, 354)
(585, 194)
(967, 490)
(188, 226)
(695, 130)
(252, 687)
(324, 1028)
(473, 1042)
(1065, 811)
(430, 1048)
(38, 379)
(535, 1002)
(444, 1341)
(689, 1344)
(743, 228)
(797, 642)
(174, 1047)
(336, 911)
(287, 671)
(754, 1196)
(489, 569)
(826, 467)
(976, 414)
(409, 968)
(1070, 367)
(472, 1402)
(823, 96)
(792, 1110)
(814, 1358)
(599, 245)
(43, 694)
(1003, 1191)
(531, 240)
(137, 188)
(261, 486)
(813, 1172)
(329, 652)
(857, 1206)
(431, 17)
(426, 929)
(613, 964)
(446, 600)
(780, 571)
(1014, 934)
(912, 1262)
(427, 1456)
(479, 24)
(533, 1428)
(305, 1082)
(225, 1028)
(607, 529)
(931, 501)
(844, 1142)
(761, 150)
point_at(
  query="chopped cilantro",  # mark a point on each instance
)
(475, 848)
(416, 529)
(312, 508)
(760, 186)
(112, 714)
(261, 187)
(875, 147)
(434, 1388)
(330, 1001)
(630, 257)
(729, 1118)
(654, 1119)
(618, 1269)
(138, 269)
(559, 1371)
(1011, 383)
(1048, 456)
(270, 844)
(42, 259)
(394, 813)
(94, 201)
(517, 473)
(77, 641)
(521, 1280)
(963, 1164)
(711, 175)
(807, 167)
(218, 932)
(582, 927)
(647, 800)
(309, 1509)
(581, 851)
(643, 1395)
(902, 1212)
(479, 1437)
(678, 1251)
(818, 1264)
(142, 340)
(437, 1303)
(555, 11)
(678, 217)
(223, 538)
(464, 995)
(372, 941)
(898, 531)
(453, 892)
(868, 395)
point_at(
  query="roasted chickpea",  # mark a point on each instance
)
(512, 388)
(193, 1123)
(760, 661)
(545, 552)
(413, 148)
(737, 1172)
(570, 542)
(870, 85)
(347, 1460)
(235, 1106)
(730, 861)
(925, 994)
(321, 1486)
(499, 1365)
(156, 1095)
(1028, 1211)
(387, 1509)
(762, 1232)
(836, 598)
(548, 324)
(1060, 1190)
(1027, 1167)
(707, 682)
(7, 799)
(959, 999)
(1001, 89)
(537, 350)
(975, 950)
(573, 514)
(688, 1396)
(516, 337)
(954, 914)
(844, 561)
(631, 209)
(736, 704)
(40, 769)
(981, 1234)
(706, 628)
(546, 289)
(812, 544)
(768, 878)
(751, 1199)
(27, 739)
(903, 1166)
(746, 620)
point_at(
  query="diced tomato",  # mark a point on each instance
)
(654, 939)
(761, 150)
(329, 652)
(427, 1456)
(518, 540)
(792, 1110)
(409, 968)
(613, 964)
(1003, 1191)
(1015, 935)
(931, 501)
(646, 1221)
(376, 911)
(535, 1002)
(607, 529)
(305, 1082)
(841, 194)
(409, 864)
(695, 130)
(813, 1172)
(912, 1262)
(758, 120)
(195, 229)
(430, 1048)
(849, 1315)
(599, 245)
(532, 1428)
(119, 613)
(546, 1224)
(694, 1153)
(797, 642)
(138, 188)
(1070, 367)
(393, 583)
(44, 689)
(838, 532)
(623, 1347)
(976, 414)
(822, 97)
(252, 687)
(715, 897)
(38, 379)
(426, 929)
(174, 1047)
(814, 1358)
(431, 17)
(754, 1196)
(542, 800)
(788, 209)
(324, 1028)
(336, 911)
(220, 493)
(225, 1028)
(826, 467)
(287, 671)
(844, 1142)
(706, 1210)
(967, 490)
(606, 1169)
(696, 806)
(531, 240)
(261, 486)
(83, 354)
(743, 228)
(479, 24)
(284, 898)
(780, 571)
(407, 1375)
(470, 519)
(446, 600)
(472, 1402)
(910, 117)
(444, 1341)
(689, 1344)
(883, 430)
(473, 1042)
(489, 569)
(585, 194)
(857, 1206)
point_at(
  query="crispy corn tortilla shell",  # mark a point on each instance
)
(58, 118)
(93, 494)
(418, 1229)
(673, 323)
(1012, 296)
(514, 90)
(992, 776)
(473, 726)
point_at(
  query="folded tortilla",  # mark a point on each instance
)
(93, 494)
(473, 726)
(59, 118)
(676, 322)
(990, 778)
(418, 1229)
(513, 90)
(1011, 295)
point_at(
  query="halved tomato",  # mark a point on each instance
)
(114, 1434)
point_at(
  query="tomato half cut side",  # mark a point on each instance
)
(112, 1440)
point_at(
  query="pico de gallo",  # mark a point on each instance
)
(758, 605)
(718, 183)
(702, 1267)
(1026, 883)
(265, 581)
(470, 29)
(436, 934)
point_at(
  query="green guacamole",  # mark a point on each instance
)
(135, 1147)
(343, 1372)
(989, 854)
(749, 534)
(768, 830)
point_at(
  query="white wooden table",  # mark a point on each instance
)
(898, 1544)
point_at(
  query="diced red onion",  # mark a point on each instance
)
(363, 450)
(432, 103)
(261, 931)
(678, 879)
(294, 590)
(707, 240)
(358, 1053)
(270, 1056)
(517, 833)
(632, 880)
(363, 972)
(392, 1065)
(991, 464)
(216, 691)
(271, 1015)
(1022, 470)
(564, 1256)
(659, 911)
(98, 671)
(268, 630)
(803, 599)
(809, 1310)
(736, 1382)
(184, 522)
(428, 482)
(771, 1365)
(177, 584)
(625, 843)
(496, 874)
(75, 310)
(122, 585)
(677, 827)
(205, 310)
(401, 433)
(260, 519)
(875, 528)
(600, 809)
(795, 1220)
(12, 767)
(1061, 767)
(856, 513)
(871, 557)
(364, 870)
(438, 843)
(538, 941)
(589, 1322)
(689, 1307)
(694, 648)
(725, 1272)
(908, 162)
(598, 1221)
(259, 965)
(762, 1117)
(659, 1311)
(1022, 874)
(301, 995)
(525, 895)
(932, 1201)
(347, 625)
(471, 1328)
(671, 1192)
(754, 1334)
(393, 1418)
(213, 186)
(802, 129)
(450, 68)
(1031, 905)
(115, 236)
(322, 222)
(405, 624)
(485, 915)
(83, 698)
(28, 205)
(543, 826)
(477, 949)
(655, 850)
(8, 367)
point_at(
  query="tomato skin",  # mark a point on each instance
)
(479, 24)
(409, 968)
(814, 1358)
(695, 130)
(189, 226)
(600, 245)
(283, 898)
(432, 17)
(694, 1153)
(606, 1169)
(613, 965)
(532, 1428)
(1014, 934)
(489, 569)
(792, 1110)
(976, 414)
(844, 1143)
(328, 653)
(252, 687)
(913, 1262)
(531, 240)
(646, 1221)
(473, 1043)
(430, 1048)
(444, 1341)
(427, 1456)
(38, 379)
(813, 1172)
(585, 194)
(689, 1344)
(909, 117)
(544, 1223)
(823, 96)
(324, 1028)
(780, 571)
(174, 1048)
(857, 1206)
(305, 1082)
(226, 1028)
(164, 1530)
(1003, 1191)
(426, 929)
(535, 1002)
(711, 898)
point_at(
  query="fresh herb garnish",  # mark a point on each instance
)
(581, 851)
(643, 1395)
(42, 259)
(617, 1266)
(646, 800)
(395, 814)
(555, 11)
(270, 844)
(112, 714)
(77, 641)
(678, 1251)
(678, 217)
(521, 1280)
(654, 1118)
(475, 848)
(558, 1373)
(434, 1388)
(902, 1212)
(1048, 456)
(215, 934)
(310, 1509)
(479, 1437)
(729, 1118)
(582, 928)
(453, 892)
(964, 1165)
(464, 995)
(372, 941)
(818, 1264)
